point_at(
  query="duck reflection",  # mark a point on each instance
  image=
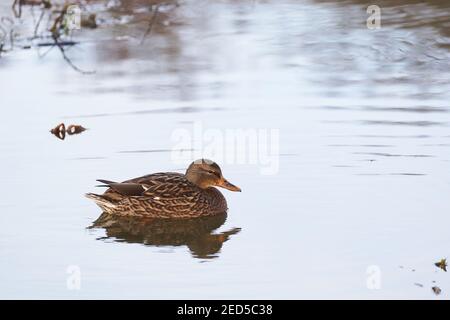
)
(197, 234)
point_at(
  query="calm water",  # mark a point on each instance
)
(364, 137)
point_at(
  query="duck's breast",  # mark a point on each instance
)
(215, 200)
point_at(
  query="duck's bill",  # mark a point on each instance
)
(227, 185)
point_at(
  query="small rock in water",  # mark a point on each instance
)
(442, 264)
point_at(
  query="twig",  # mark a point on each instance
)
(11, 38)
(36, 28)
(46, 52)
(16, 3)
(61, 43)
(151, 23)
(19, 3)
(56, 35)
(58, 21)
(6, 32)
(68, 60)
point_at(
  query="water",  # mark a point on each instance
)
(363, 141)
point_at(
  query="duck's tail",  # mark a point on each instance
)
(105, 204)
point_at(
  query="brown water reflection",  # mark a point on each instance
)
(411, 14)
(196, 234)
(185, 51)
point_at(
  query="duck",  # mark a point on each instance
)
(168, 195)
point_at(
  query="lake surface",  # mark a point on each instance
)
(356, 207)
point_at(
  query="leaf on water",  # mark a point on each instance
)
(75, 129)
(437, 291)
(59, 131)
(442, 264)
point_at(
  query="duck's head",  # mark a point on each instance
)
(206, 173)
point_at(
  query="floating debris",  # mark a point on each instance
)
(437, 291)
(59, 131)
(418, 285)
(442, 264)
(75, 129)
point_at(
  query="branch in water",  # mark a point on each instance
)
(7, 32)
(152, 22)
(68, 60)
(36, 28)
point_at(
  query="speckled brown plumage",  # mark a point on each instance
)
(168, 194)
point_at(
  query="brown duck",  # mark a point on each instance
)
(168, 194)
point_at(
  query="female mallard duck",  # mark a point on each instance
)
(168, 194)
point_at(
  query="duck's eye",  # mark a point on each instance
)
(213, 173)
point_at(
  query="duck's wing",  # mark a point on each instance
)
(173, 187)
(156, 178)
(162, 185)
(124, 188)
